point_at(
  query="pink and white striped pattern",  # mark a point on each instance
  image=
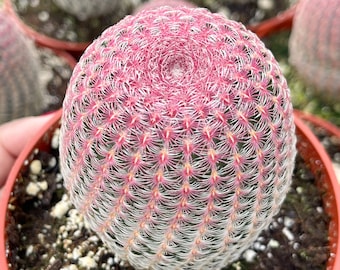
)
(177, 139)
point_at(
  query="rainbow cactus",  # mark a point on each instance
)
(314, 46)
(85, 9)
(177, 139)
(20, 92)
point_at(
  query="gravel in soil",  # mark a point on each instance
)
(46, 232)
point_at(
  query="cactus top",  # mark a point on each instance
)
(177, 139)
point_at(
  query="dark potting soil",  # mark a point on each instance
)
(330, 142)
(46, 232)
(54, 75)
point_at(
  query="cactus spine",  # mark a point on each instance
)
(177, 139)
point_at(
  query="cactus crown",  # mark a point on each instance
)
(85, 9)
(21, 93)
(314, 45)
(177, 139)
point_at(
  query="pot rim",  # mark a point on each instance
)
(39, 140)
(312, 150)
(42, 39)
(282, 21)
(321, 165)
(320, 122)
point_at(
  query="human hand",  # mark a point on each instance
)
(13, 137)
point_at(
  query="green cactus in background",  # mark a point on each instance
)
(20, 90)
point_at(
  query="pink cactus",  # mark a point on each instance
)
(21, 93)
(177, 139)
(315, 46)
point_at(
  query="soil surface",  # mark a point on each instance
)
(46, 232)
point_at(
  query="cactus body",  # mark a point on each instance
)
(177, 139)
(20, 91)
(85, 9)
(314, 46)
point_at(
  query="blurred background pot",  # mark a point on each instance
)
(282, 21)
(33, 78)
(75, 48)
(54, 25)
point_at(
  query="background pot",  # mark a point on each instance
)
(74, 48)
(308, 146)
(320, 164)
(319, 122)
(327, 128)
(282, 21)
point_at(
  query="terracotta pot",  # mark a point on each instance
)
(308, 146)
(316, 121)
(283, 21)
(40, 141)
(74, 48)
(320, 164)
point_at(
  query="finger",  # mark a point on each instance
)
(13, 137)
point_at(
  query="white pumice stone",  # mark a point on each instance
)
(110, 261)
(52, 162)
(43, 185)
(35, 167)
(60, 209)
(288, 234)
(76, 253)
(319, 209)
(55, 139)
(70, 267)
(32, 189)
(52, 260)
(273, 243)
(265, 4)
(29, 250)
(288, 222)
(87, 262)
(299, 190)
(249, 255)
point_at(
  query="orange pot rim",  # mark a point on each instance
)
(42, 39)
(283, 21)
